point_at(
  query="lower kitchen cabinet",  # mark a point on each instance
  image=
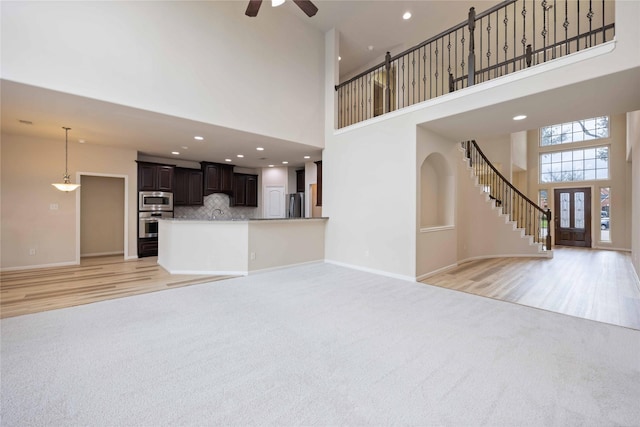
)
(147, 247)
(188, 187)
(245, 190)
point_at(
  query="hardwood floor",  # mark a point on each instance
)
(95, 279)
(593, 284)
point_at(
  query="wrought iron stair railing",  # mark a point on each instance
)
(527, 215)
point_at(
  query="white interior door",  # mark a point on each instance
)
(274, 202)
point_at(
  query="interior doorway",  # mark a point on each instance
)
(101, 212)
(573, 216)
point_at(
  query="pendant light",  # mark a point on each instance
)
(66, 185)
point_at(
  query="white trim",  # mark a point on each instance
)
(371, 270)
(609, 248)
(101, 254)
(438, 228)
(438, 271)
(126, 211)
(30, 267)
(280, 267)
(207, 272)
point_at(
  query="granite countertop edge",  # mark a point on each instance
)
(241, 220)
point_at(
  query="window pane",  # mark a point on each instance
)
(557, 166)
(580, 130)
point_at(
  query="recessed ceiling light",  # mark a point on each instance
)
(184, 147)
(520, 117)
(199, 138)
(270, 166)
(81, 141)
(240, 155)
(407, 15)
(227, 160)
(307, 157)
(370, 47)
(276, 3)
(285, 162)
(175, 152)
(259, 148)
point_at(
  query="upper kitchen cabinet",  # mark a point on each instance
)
(245, 190)
(188, 187)
(155, 177)
(218, 178)
(300, 181)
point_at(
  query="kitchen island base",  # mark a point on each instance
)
(238, 247)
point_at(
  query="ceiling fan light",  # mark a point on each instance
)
(276, 3)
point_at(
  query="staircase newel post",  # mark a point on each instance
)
(472, 48)
(387, 91)
(548, 214)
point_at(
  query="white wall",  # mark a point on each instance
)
(201, 60)
(369, 194)
(437, 247)
(633, 144)
(369, 169)
(29, 166)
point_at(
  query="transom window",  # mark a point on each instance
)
(580, 130)
(575, 165)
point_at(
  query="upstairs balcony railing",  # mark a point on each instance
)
(506, 38)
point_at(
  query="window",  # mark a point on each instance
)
(584, 164)
(580, 130)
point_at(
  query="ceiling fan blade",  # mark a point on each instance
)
(307, 7)
(253, 8)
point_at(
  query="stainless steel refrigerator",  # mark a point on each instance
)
(295, 205)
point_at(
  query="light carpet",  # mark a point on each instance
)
(315, 345)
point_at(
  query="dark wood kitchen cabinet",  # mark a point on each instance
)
(300, 181)
(319, 183)
(155, 177)
(245, 190)
(147, 247)
(188, 188)
(218, 178)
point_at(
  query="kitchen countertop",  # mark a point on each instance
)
(242, 219)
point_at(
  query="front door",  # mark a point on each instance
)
(573, 216)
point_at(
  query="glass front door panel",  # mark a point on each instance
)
(565, 214)
(578, 213)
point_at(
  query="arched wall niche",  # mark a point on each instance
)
(436, 192)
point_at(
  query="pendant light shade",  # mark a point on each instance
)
(66, 184)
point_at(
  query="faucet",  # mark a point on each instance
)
(213, 216)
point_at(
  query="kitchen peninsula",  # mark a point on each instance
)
(238, 247)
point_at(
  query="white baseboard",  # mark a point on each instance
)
(280, 267)
(438, 271)
(101, 254)
(30, 267)
(371, 270)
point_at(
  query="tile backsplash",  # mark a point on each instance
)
(211, 203)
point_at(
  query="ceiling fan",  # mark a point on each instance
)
(307, 7)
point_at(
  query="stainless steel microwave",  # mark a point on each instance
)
(149, 201)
